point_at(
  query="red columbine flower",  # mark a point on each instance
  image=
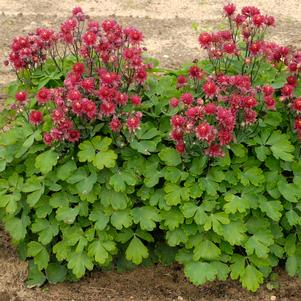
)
(115, 124)
(107, 108)
(250, 116)
(292, 80)
(297, 124)
(209, 89)
(293, 67)
(73, 136)
(268, 90)
(287, 90)
(174, 102)
(180, 147)
(43, 95)
(270, 102)
(136, 100)
(141, 75)
(196, 72)
(258, 20)
(229, 9)
(205, 39)
(57, 115)
(296, 105)
(203, 131)
(21, 96)
(135, 35)
(89, 108)
(78, 68)
(229, 48)
(181, 81)
(178, 120)
(194, 112)
(255, 48)
(270, 21)
(214, 150)
(133, 122)
(187, 98)
(77, 107)
(47, 138)
(225, 137)
(89, 38)
(177, 134)
(74, 95)
(35, 117)
(121, 99)
(210, 108)
(250, 102)
(88, 84)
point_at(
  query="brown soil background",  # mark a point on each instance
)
(170, 37)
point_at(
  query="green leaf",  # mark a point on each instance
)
(56, 273)
(281, 147)
(16, 228)
(66, 170)
(176, 237)
(45, 229)
(100, 219)
(272, 209)
(87, 152)
(10, 202)
(120, 179)
(234, 232)
(85, 186)
(46, 161)
(136, 251)
(35, 278)
(252, 278)
(39, 254)
(262, 152)
(97, 152)
(291, 265)
(293, 218)
(206, 250)
(78, 263)
(175, 194)
(105, 159)
(259, 244)
(236, 204)
(146, 216)
(200, 272)
(215, 221)
(66, 214)
(239, 150)
(100, 251)
(121, 219)
(253, 176)
(170, 156)
(238, 266)
(117, 200)
(172, 218)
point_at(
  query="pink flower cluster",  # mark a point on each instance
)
(229, 102)
(28, 52)
(101, 87)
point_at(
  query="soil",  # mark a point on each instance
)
(168, 27)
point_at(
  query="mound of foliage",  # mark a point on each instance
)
(109, 161)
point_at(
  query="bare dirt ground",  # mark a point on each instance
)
(170, 37)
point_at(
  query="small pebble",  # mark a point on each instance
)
(273, 298)
(180, 298)
(166, 56)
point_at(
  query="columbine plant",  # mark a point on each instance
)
(102, 87)
(218, 108)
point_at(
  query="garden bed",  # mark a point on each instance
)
(112, 161)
